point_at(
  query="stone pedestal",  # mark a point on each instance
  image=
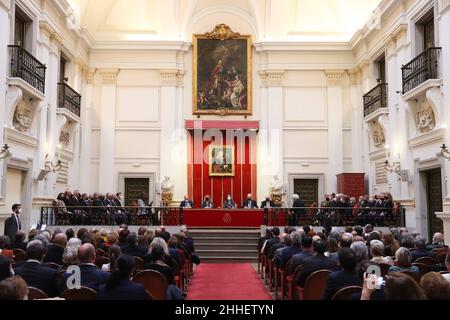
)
(445, 216)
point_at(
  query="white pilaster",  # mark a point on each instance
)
(335, 81)
(107, 180)
(357, 115)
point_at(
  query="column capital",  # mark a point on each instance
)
(271, 78)
(109, 76)
(89, 74)
(355, 76)
(335, 77)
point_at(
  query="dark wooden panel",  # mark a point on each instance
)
(434, 199)
(307, 189)
(134, 188)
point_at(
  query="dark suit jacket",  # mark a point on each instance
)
(299, 259)
(11, 227)
(184, 203)
(315, 263)
(270, 243)
(135, 251)
(54, 254)
(273, 248)
(338, 280)
(207, 204)
(253, 203)
(287, 254)
(299, 204)
(91, 277)
(126, 290)
(263, 204)
(419, 253)
(19, 245)
(39, 276)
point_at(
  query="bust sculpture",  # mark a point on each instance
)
(276, 190)
(166, 190)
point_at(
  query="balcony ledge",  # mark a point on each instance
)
(68, 114)
(374, 115)
(422, 89)
(26, 88)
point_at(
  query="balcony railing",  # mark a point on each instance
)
(375, 99)
(28, 68)
(422, 68)
(69, 99)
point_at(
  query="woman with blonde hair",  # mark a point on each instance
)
(390, 244)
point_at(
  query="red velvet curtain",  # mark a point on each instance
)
(200, 183)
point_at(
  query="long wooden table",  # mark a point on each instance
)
(223, 217)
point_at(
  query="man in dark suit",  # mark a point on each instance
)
(132, 248)
(56, 250)
(267, 203)
(317, 262)
(186, 203)
(345, 277)
(35, 273)
(263, 239)
(12, 224)
(90, 275)
(307, 252)
(295, 248)
(249, 203)
(275, 239)
(421, 249)
(295, 214)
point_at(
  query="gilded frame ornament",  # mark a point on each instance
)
(221, 169)
(222, 73)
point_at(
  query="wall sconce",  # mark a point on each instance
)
(444, 152)
(4, 153)
(392, 168)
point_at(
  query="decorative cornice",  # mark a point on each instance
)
(335, 77)
(89, 75)
(172, 77)
(109, 76)
(355, 76)
(222, 32)
(271, 78)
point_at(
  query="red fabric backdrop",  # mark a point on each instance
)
(200, 183)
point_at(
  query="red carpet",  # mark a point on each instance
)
(227, 281)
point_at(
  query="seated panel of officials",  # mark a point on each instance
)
(229, 203)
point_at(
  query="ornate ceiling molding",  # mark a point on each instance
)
(109, 76)
(335, 77)
(222, 32)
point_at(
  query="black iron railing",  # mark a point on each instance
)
(23, 65)
(375, 99)
(422, 68)
(173, 216)
(69, 99)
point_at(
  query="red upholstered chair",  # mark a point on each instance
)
(154, 282)
(315, 285)
(83, 293)
(100, 252)
(283, 275)
(426, 260)
(19, 255)
(291, 283)
(423, 268)
(35, 294)
(346, 293)
(138, 264)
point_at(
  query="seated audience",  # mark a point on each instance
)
(377, 252)
(6, 269)
(119, 286)
(403, 261)
(293, 249)
(114, 253)
(56, 250)
(435, 286)
(90, 275)
(70, 233)
(398, 286)
(437, 242)
(19, 242)
(35, 273)
(4, 244)
(132, 248)
(347, 276)
(317, 262)
(13, 288)
(299, 258)
(421, 249)
(390, 244)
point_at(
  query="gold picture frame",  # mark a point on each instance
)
(222, 72)
(221, 161)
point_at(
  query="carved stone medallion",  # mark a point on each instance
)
(23, 116)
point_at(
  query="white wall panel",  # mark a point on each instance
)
(138, 104)
(305, 104)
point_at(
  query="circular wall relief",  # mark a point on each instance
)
(23, 116)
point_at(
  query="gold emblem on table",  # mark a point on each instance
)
(227, 218)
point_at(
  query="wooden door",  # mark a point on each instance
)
(434, 201)
(134, 188)
(307, 189)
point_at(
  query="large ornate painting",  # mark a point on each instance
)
(221, 160)
(222, 79)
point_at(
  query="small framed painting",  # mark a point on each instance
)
(221, 161)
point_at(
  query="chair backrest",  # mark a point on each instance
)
(423, 268)
(83, 293)
(413, 275)
(384, 268)
(138, 264)
(444, 272)
(154, 282)
(315, 285)
(100, 252)
(35, 293)
(426, 260)
(346, 293)
(53, 265)
(20, 256)
(101, 260)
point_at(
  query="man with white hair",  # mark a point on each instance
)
(295, 214)
(377, 252)
(437, 242)
(249, 203)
